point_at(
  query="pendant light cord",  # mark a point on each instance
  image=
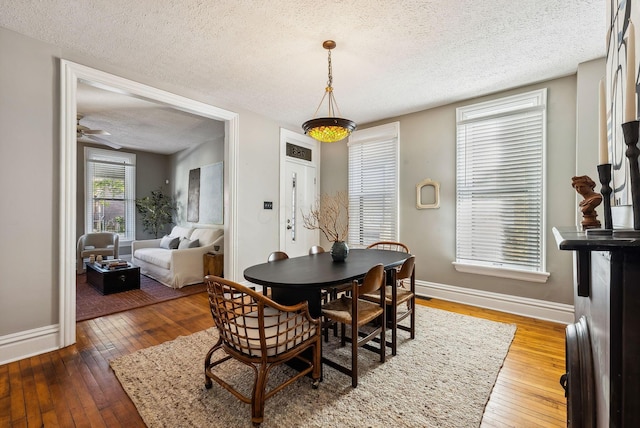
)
(330, 81)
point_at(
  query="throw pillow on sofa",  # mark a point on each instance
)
(188, 243)
(169, 242)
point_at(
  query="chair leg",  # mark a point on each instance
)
(383, 340)
(207, 361)
(316, 374)
(257, 397)
(354, 355)
(394, 329)
(326, 331)
(413, 317)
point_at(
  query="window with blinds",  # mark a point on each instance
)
(110, 192)
(373, 185)
(499, 186)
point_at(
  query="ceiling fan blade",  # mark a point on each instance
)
(95, 132)
(104, 141)
(85, 130)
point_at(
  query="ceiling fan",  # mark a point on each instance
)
(86, 135)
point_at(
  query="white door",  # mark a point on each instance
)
(299, 186)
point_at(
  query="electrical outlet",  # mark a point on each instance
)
(268, 205)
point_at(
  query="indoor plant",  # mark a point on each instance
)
(330, 215)
(156, 211)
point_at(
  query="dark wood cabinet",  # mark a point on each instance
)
(607, 299)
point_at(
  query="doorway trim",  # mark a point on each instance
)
(70, 74)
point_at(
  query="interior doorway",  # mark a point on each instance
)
(71, 74)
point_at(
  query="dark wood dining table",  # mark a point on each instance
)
(297, 279)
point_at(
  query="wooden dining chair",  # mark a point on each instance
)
(397, 295)
(328, 295)
(262, 334)
(274, 257)
(316, 249)
(390, 245)
(277, 255)
(355, 312)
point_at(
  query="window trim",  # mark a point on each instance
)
(528, 101)
(501, 272)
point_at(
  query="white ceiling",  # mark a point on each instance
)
(392, 57)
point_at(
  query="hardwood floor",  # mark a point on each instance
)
(527, 392)
(74, 386)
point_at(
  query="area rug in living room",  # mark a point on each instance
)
(443, 378)
(90, 303)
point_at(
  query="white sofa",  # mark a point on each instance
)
(177, 267)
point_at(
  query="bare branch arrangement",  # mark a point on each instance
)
(330, 215)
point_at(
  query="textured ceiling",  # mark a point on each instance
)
(142, 125)
(392, 57)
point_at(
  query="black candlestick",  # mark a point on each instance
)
(604, 173)
(630, 131)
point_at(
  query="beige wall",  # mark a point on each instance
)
(29, 175)
(427, 150)
(588, 77)
(182, 162)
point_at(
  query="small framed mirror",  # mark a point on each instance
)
(426, 199)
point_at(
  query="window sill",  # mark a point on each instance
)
(502, 272)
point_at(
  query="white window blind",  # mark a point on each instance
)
(110, 192)
(500, 183)
(373, 185)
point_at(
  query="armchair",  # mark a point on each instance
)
(99, 244)
(262, 334)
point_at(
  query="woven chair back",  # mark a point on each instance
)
(253, 325)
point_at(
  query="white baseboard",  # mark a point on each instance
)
(16, 346)
(532, 308)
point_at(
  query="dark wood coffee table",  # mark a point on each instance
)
(108, 281)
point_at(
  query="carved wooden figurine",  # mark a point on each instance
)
(584, 186)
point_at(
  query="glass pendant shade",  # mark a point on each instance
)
(329, 129)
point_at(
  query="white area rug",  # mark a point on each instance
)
(443, 378)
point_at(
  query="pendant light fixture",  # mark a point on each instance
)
(329, 129)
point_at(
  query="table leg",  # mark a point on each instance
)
(291, 296)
